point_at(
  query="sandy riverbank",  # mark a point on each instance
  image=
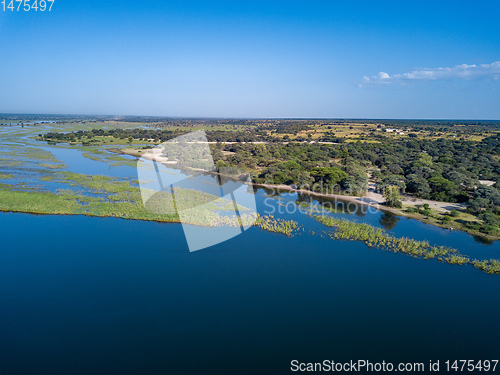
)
(373, 199)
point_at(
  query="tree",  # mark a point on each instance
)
(444, 189)
(457, 178)
(355, 184)
(331, 175)
(424, 160)
(395, 169)
(490, 222)
(445, 219)
(489, 218)
(418, 185)
(305, 180)
(376, 174)
(390, 179)
(392, 196)
(489, 193)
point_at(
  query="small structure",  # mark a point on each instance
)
(487, 182)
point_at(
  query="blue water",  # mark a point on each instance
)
(77, 163)
(403, 227)
(82, 295)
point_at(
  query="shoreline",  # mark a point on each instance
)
(35, 213)
(365, 200)
(346, 198)
(352, 199)
(379, 207)
(372, 199)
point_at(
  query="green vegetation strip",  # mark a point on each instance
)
(118, 198)
(378, 238)
(272, 224)
(113, 160)
(53, 166)
(67, 202)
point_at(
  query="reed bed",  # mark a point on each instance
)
(95, 154)
(201, 217)
(53, 166)
(491, 266)
(111, 197)
(378, 238)
(34, 154)
(276, 225)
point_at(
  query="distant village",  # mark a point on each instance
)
(393, 130)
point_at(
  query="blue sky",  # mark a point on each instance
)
(349, 59)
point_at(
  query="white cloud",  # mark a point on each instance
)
(383, 75)
(463, 71)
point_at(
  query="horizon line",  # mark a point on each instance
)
(246, 118)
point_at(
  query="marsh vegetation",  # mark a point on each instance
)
(277, 225)
(378, 238)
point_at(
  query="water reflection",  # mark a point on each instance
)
(389, 220)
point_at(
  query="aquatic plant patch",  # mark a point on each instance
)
(378, 238)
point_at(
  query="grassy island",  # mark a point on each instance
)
(378, 238)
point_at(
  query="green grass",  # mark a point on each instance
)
(102, 156)
(378, 238)
(66, 202)
(276, 225)
(490, 266)
(35, 154)
(5, 162)
(53, 166)
(464, 222)
(118, 198)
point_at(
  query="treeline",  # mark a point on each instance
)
(257, 134)
(86, 136)
(153, 135)
(445, 170)
(307, 165)
(442, 170)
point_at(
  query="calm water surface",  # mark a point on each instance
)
(86, 295)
